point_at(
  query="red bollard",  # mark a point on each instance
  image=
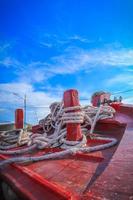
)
(19, 119)
(71, 99)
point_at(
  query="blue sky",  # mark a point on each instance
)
(48, 46)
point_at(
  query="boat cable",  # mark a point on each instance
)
(54, 126)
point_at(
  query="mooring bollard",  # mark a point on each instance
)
(19, 119)
(71, 99)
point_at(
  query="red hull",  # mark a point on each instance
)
(106, 174)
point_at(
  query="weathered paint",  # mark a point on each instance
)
(19, 119)
(71, 99)
(81, 176)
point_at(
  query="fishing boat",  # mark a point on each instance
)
(74, 153)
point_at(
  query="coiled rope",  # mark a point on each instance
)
(13, 138)
(54, 126)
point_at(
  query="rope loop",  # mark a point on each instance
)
(54, 133)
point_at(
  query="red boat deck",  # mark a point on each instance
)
(117, 180)
(81, 178)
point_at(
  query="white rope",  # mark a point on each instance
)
(95, 120)
(61, 154)
(14, 138)
(54, 126)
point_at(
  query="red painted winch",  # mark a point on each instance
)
(105, 174)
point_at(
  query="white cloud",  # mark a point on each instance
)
(72, 60)
(126, 79)
(80, 38)
(46, 44)
(128, 100)
(35, 98)
(37, 101)
(121, 57)
(69, 63)
(11, 62)
(78, 59)
(34, 72)
(12, 97)
(53, 40)
(4, 47)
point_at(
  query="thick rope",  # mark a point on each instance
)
(14, 138)
(56, 122)
(70, 151)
